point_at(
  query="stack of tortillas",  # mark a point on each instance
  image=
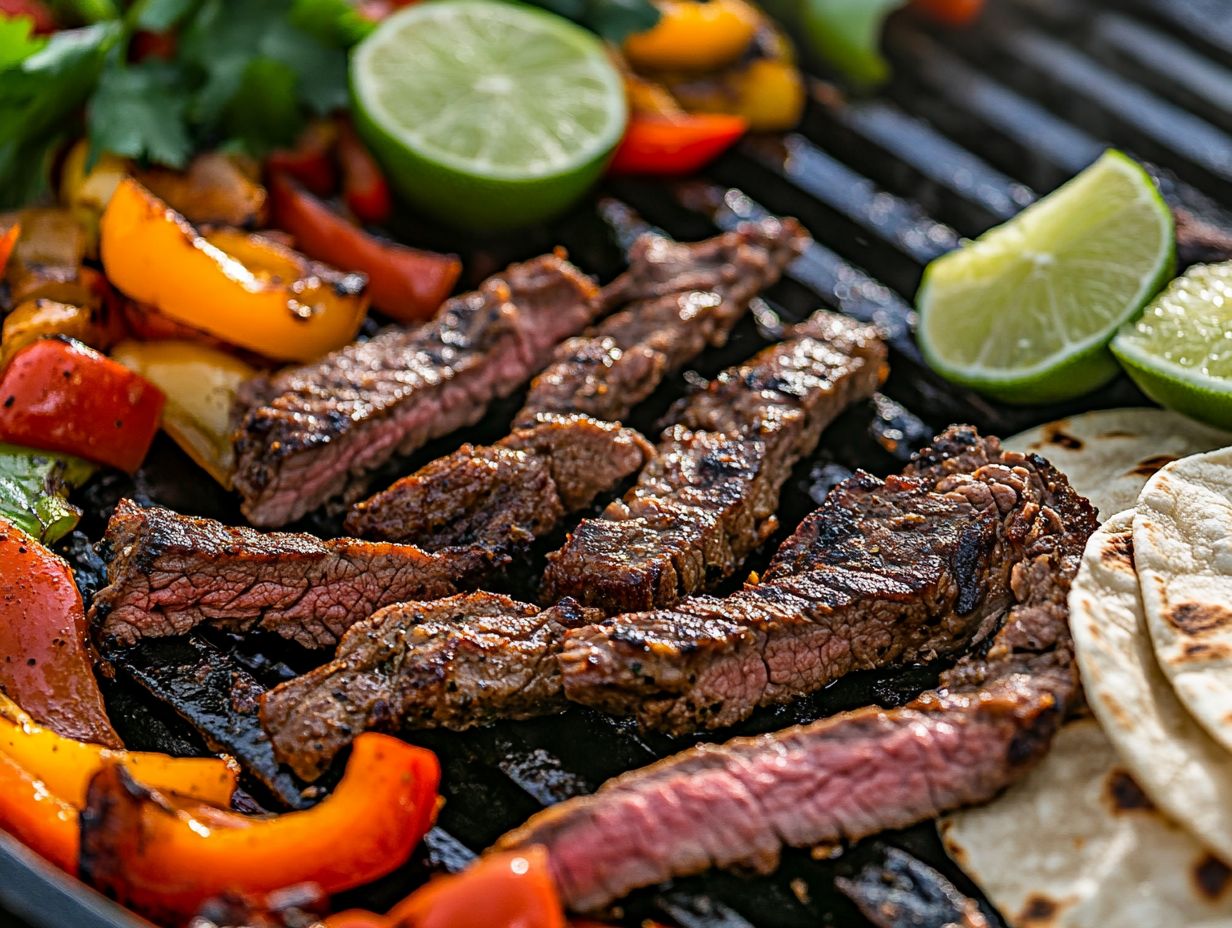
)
(1128, 820)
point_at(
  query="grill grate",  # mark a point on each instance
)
(966, 133)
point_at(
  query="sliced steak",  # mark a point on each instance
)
(709, 497)
(884, 573)
(505, 494)
(168, 573)
(680, 299)
(446, 663)
(317, 428)
(737, 804)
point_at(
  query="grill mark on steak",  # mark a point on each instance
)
(168, 573)
(504, 495)
(709, 497)
(846, 777)
(446, 663)
(685, 296)
(317, 429)
(680, 299)
(884, 573)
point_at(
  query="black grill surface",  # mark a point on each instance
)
(972, 128)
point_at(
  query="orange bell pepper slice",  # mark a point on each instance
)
(65, 766)
(508, 890)
(8, 239)
(245, 289)
(165, 858)
(34, 816)
(42, 622)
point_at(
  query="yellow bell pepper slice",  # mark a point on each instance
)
(694, 35)
(200, 384)
(253, 292)
(65, 767)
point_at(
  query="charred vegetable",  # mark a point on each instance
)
(33, 490)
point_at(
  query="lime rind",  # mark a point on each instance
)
(1025, 312)
(551, 61)
(1179, 351)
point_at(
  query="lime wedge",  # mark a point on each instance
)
(487, 114)
(1025, 313)
(1180, 350)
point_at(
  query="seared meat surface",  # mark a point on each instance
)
(168, 573)
(506, 494)
(685, 297)
(443, 663)
(710, 495)
(315, 431)
(679, 299)
(843, 778)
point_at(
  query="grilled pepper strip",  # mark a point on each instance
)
(200, 384)
(512, 890)
(951, 12)
(364, 187)
(245, 289)
(38, 819)
(670, 145)
(33, 490)
(65, 766)
(8, 239)
(50, 670)
(406, 283)
(62, 396)
(165, 858)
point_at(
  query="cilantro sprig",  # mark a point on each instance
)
(246, 75)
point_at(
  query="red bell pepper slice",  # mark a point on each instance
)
(510, 890)
(670, 145)
(50, 673)
(44, 21)
(405, 283)
(311, 161)
(364, 188)
(164, 857)
(951, 12)
(62, 396)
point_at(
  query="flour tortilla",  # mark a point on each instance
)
(1074, 845)
(1178, 765)
(1183, 550)
(1109, 454)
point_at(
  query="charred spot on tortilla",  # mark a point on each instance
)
(1198, 618)
(1149, 467)
(1118, 550)
(1118, 433)
(1117, 710)
(1055, 434)
(1199, 651)
(1212, 877)
(1038, 911)
(1124, 793)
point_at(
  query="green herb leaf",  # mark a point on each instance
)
(335, 22)
(615, 20)
(162, 15)
(140, 111)
(17, 40)
(847, 34)
(39, 99)
(33, 490)
(264, 113)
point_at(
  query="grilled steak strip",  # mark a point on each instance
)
(424, 664)
(688, 296)
(681, 298)
(169, 573)
(887, 572)
(318, 427)
(506, 494)
(709, 497)
(843, 778)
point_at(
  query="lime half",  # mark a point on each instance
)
(487, 114)
(1180, 350)
(1025, 313)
